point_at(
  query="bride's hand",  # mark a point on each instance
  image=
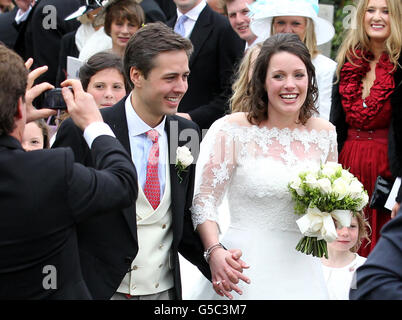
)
(224, 277)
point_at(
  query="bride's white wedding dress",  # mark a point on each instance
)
(252, 167)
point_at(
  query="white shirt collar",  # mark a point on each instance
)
(136, 126)
(194, 12)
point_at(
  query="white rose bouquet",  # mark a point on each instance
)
(321, 196)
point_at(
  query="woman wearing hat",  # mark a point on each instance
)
(300, 17)
(367, 101)
(121, 19)
(73, 42)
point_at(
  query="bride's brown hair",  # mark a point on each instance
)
(258, 98)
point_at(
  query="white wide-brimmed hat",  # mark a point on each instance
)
(263, 11)
(87, 7)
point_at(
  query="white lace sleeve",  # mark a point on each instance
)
(333, 147)
(214, 169)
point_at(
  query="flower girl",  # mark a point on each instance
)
(339, 269)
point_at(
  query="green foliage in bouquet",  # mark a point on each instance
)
(321, 195)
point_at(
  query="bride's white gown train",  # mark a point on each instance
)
(252, 167)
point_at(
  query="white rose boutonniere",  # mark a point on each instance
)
(183, 159)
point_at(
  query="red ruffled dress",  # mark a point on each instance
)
(365, 150)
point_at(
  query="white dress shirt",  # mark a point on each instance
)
(192, 17)
(21, 16)
(140, 145)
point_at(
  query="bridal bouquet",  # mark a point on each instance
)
(323, 195)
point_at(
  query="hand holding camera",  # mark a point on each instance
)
(33, 92)
(80, 105)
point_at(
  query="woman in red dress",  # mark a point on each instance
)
(364, 103)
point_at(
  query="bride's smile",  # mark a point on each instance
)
(286, 84)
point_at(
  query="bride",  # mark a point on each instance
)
(250, 158)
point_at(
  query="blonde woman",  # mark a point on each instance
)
(238, 101)
(367, 99)
(299, 17)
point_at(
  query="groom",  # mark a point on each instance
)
(156, 64)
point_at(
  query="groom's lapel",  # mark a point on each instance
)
(170, 126)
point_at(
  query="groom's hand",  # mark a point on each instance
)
(235, 272)
(235, 262)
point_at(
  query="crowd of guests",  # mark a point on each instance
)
(194, 62)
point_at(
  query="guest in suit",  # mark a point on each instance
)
(44, 195)
(44, 29)
(156, 63)
(217, 49)
(8, 34)
(380, 277)
(237, 12)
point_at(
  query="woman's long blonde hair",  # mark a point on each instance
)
(238, 101)
(357, 38)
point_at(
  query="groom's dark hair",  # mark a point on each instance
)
(147, 43)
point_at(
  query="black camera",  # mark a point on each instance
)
(51, 99)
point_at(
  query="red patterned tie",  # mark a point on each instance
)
(152, 188)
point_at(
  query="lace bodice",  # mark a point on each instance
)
(252, 166)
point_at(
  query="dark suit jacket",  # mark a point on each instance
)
(152, 11)
(43, 44)
(8, 33)
(108, 243)
(338, 118)
(168, 7)
(380, 277)
(67, 48)
(43, 196)
(217, 50)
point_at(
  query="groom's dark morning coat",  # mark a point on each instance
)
(108, 243)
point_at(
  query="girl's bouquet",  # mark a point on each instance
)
(323, 195)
